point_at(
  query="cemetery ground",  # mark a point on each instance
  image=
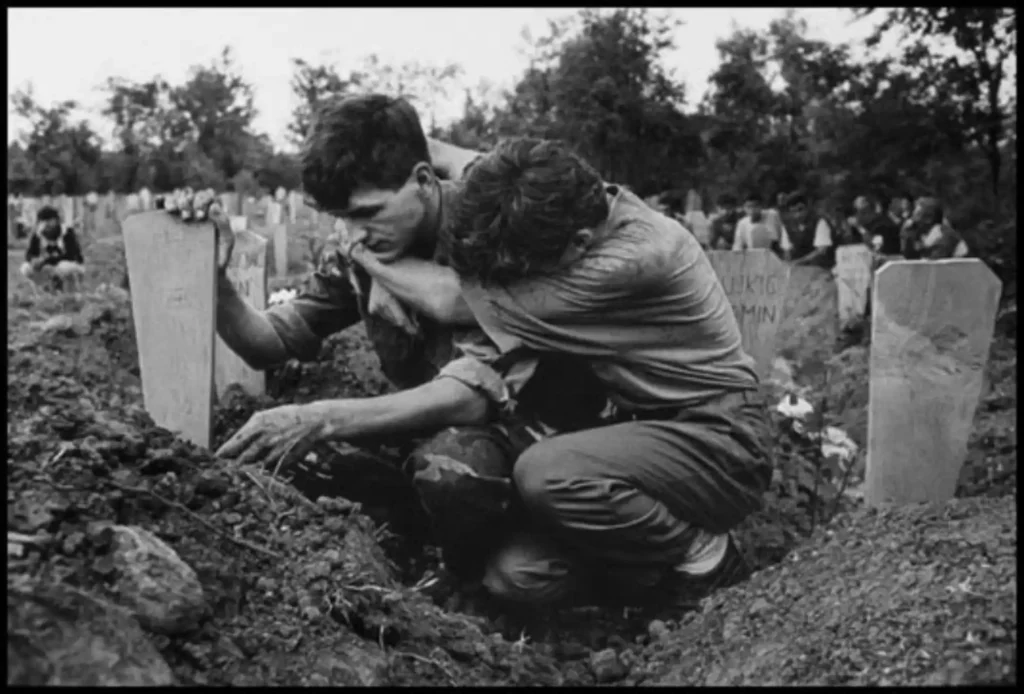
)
(135, 558)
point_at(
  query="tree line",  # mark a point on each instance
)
(782, 112)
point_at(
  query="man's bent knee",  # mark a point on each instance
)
(526, 570)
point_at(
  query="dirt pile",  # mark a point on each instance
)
(917, 596)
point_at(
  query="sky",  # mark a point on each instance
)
(139, 43)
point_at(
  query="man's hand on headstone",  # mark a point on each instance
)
(203, 206)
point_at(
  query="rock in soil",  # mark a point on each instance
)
(154, 584)
(58, 636)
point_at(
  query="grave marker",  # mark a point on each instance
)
(239, 222)
(277, 235)
(172, 270)
(755, 282)
(247, 272)
(931, 329)
(66, 205)
(230, 203)
(294, 202)
(145, 199)
(853, 281)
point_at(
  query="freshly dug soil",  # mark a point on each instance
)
(917, 596)
(261, 585)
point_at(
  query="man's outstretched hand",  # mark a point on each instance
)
(289, 431)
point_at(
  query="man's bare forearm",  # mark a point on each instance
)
(444, 402)
(246, 331)
(432, 289)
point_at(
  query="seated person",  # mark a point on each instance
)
(755, 229)
(875, 229)
(54, 253)
(723, 220)
(809, 238)
(930, 236)
(554, 260)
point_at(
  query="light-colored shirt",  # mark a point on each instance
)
(700, 225)
(643, 306)
(751, 235)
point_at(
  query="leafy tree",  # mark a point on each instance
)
(974, 77)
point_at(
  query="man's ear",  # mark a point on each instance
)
(423, 174)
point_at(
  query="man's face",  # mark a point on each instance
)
(862, 207)
(49, 228)
(753, 208)
(387, 222)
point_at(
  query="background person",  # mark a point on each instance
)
(54, 253)
(755, 230)
(696, 220)
(809, 238)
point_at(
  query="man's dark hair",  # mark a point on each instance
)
(752, 196)
(47, 213)
(727, 200)
(520, 207)
(368, 140)
(796, 199)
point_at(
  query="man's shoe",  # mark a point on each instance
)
(731, 569)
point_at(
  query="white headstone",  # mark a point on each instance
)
(756, 283)
(172, 270)
(931, 330)
(853, 281)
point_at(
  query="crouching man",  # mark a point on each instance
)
(553, 260)
(54, 254)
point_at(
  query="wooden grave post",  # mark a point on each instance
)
(66, 205)
(853, 281)
(247, 272)
(755, 282)
(173, 271)
(931, 329)
(277, 232)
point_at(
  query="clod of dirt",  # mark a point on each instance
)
(154, 584)
(607, 666)
(58, 635)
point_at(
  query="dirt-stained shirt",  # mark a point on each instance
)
(643, 307)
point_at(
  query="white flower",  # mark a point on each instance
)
(794, 407)
(282, 296)
(838, 443)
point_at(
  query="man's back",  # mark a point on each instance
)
(644, 307)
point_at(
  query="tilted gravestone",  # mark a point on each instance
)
(172, 270)
(931, 329)
(853, 273)
(755, 282)
(247, 271)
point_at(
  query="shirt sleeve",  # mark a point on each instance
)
(784, 241)
(35, 248)
(327, 304)
(636, 256)
(483, 368)
(72, 251)
(822, 234)
(739, 241)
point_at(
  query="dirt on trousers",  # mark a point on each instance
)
(135, 558)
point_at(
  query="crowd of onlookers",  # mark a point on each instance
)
(795, 227)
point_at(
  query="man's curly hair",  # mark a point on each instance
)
(367, 140)
(520, 207)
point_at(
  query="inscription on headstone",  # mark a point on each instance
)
(172, 270)
(755, 282)
(931, 330)
(247, 272)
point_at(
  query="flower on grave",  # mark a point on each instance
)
(836, 442)
(794, 407)
(282, 296)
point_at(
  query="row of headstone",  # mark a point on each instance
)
(931, 331)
